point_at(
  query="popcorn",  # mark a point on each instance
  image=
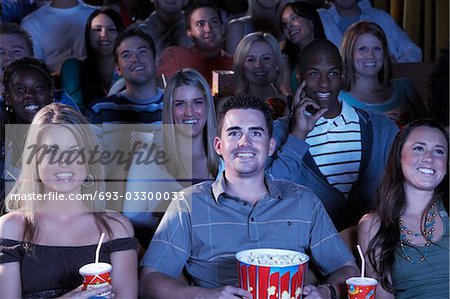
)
(273, 259)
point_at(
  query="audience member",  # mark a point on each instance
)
(367, 76)
(90, 79)
(439, 90)
(259, 70)
(141, 101)
(406, 236)
(54, 238)
(28, 88)
(204, 27)
(57, 30)
(261, 16)
(336, 150)
(344, 13)
(189, 119)
(301, 24)
(241, 210)
(15, 11)
(15, 43)
(166, 25)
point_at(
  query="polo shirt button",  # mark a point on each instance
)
(252, 219)
(289, 223)
(245, 204)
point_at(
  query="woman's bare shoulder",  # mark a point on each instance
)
(11, 225)
(120, 225)
(369, 224)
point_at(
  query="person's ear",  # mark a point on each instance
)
(218, 145)
(189, 33)
(118, 69)
(272, 146)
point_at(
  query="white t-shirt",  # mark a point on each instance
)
(58, 33)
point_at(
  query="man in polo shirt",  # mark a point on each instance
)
(336, 150)
(242, 209)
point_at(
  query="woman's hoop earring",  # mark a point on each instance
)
(89, 181)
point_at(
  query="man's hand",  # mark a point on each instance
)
(306, 113)
(227, 292)
(312, 292)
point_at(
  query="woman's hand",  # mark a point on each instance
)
(79, 293)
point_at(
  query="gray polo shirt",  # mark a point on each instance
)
(203, 232)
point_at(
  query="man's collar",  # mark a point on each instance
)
(219, 187)
(347, 114)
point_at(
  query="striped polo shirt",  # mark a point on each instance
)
(335, 145)
(203, 232)
(119, 109)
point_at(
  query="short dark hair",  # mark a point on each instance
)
(193, 5)
(18, 65)
(14, 28)
(131, 32)
(318, 46)
(245, 101)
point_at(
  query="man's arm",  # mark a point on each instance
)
(287, 160)
(153, 284)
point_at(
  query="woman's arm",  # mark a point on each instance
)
(124, 273)
(367, 228)
(124, 263)
(10, 278)
(10, 282)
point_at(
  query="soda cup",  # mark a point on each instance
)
(361, 287)
(95, 276)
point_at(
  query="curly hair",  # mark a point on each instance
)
(18, 65)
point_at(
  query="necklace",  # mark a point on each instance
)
(427, 233)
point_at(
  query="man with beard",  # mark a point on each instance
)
(204, 28)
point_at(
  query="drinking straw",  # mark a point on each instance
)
(97, 251)
(164, 80)
(363, 262)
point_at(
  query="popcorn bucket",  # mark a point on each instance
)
(272, 273)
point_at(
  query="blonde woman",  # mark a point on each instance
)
(189, 130)
(55, 221)
(261, 71)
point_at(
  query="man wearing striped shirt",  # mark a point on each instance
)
(141, 101)
(329, 146)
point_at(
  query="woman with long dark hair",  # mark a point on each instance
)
(90, 79)
(301, 24)
(406, 236)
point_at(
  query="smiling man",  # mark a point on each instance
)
(204, 28)
(141, 101)
(242, 209)
(335, 149)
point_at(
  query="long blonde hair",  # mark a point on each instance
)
(29, 181)
(188, 77)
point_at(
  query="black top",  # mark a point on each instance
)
(50, 271)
